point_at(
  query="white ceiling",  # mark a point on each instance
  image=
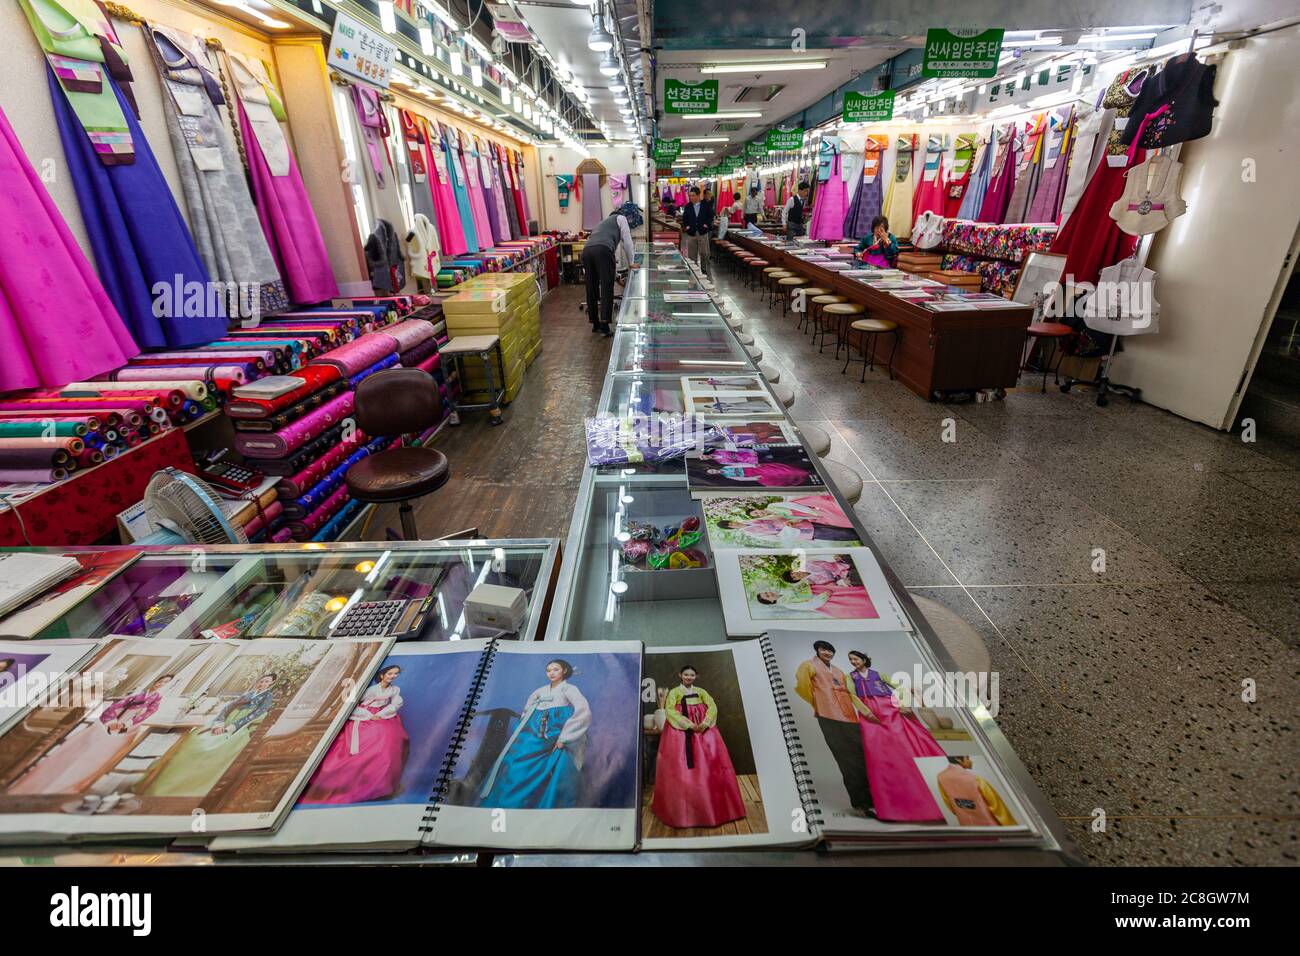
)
(802, 88)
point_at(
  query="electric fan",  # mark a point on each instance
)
(186, 511)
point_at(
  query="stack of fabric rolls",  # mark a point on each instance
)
(46, 439)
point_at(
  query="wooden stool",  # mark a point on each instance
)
(769, 373)
(784, 394)
(869, 329)
(771, 276)
(819, 303)
(845, 479)
(819, 443)
(787, 288)
(962, 641)
(807, 293)
(844, 312)
(1056, 333)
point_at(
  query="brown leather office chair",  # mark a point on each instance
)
(395, 402)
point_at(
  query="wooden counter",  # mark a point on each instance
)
(937, 351)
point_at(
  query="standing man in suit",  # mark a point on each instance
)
(697, 222)
(792, 216)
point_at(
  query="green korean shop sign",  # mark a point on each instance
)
(756, 150)
(666, 150)
(785, 140)
(961, 54)
(682, 97)
(732, 163)
(868, 107)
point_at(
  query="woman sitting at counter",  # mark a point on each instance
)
(879, 247)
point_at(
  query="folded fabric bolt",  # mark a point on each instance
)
(304, 456)
(298, 483)
(409, 333)
(418, 353)
(294, 412)
(314, 496)
(313, 377)
(331, 529)
(267, 517)
(306, 527)
(389, 361)
(359, 354)
(293, 436)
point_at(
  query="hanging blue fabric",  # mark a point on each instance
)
(138, 236)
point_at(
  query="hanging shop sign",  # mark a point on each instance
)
(666, 150)
(360, 52)
(784, 140)
(961, 54)
(1081, 77)
(699, 96)
(756, 150)
(733, 163)
(868, 107)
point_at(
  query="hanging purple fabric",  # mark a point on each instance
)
(868, 199)
(1046, 204)
(374, 126)
(1003, 182)
(592, 208)
(828, 211)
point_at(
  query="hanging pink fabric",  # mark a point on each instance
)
(374, 127)
(930, 193)
(474, 186)
(521, 197)
(451, 232)
(57, 323)
(828, 209)
(1003, 181)
(289, 224)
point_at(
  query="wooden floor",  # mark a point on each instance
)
(755, 817)
(520, 479)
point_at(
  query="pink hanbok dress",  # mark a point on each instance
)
(366, 759)
(891, 747)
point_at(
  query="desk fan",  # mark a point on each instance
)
(186, 511)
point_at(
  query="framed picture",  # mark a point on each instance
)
(1039, 276)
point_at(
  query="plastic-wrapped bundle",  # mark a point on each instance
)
(642, 438)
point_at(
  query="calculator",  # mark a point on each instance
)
(229, 477)
(403, 619)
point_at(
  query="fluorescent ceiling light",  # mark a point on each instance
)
(1114, 37)
(735, 114)
(1041, 41)
(704, 139)
(764, 67)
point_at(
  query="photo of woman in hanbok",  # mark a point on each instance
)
(695, 782)
(830, 587)
(891, 743)
(541, 765)
(367, 758)
(206, 753)
(74, 765)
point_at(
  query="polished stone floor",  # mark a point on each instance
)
(1121, 690)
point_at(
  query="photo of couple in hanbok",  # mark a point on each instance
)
(797, 586)
(874, 739)
(777, 521)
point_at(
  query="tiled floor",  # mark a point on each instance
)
(1123, 690)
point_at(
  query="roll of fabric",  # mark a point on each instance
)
(313, 377)
(110, 452)
(314, 496)
(282, 535)
(268, 516)
(410, 333)
(359, 354)
(237, 354)
(238, 374)
(284, 442)
(56, 428)
(90, 458)
(39, 452)
(304, 456)
(37, 475)
(162, 397)
(411, 357)
(429, 364)
(278, 420)
(334, 527)
(133, 413)
(299, 482)
(189, 388)
(304, 528)
(389, 361)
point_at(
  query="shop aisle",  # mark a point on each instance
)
(520, 480)
(1120, 689)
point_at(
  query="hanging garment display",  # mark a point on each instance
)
(1150, 200)
(959, 174)
(447, 222)
(455, 164)
(423, 261)
(385, 260)
(898, 202)
(1183, 95)
(564, 184)
(50, 297)
(927, 232)
(372, 122)
(973, 195)
(84, 55)
(505, 196)
(223, 221)
(1090, 239)
(286, 214)
(1028, 171)
(521, 193)
(374, 168)
(618, 186)
(1003, 176)
(828, 212)
(868, 196)
(474, 190)
(593, 209)
(1058, 141)
(137, 234)
(929, 195)
(769, 193)
(1124, 302)
(826, 153)
(417, 167)
(500, 231)
(1092, 127)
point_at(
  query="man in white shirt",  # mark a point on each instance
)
(598, 261)
(753, 205)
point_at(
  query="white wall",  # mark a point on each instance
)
(1217, 265)
(562, 161)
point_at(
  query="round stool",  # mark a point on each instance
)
(868, 329)
(962, 641)
(754, 353)
(1054, 332)
(845, 479)
(771, 275)
(819, 303)
(769, 373)
(817, 438)
(787, 287)
(808, 292)
(844, 312)
(744, 338)
(784, 394)
(734, 321)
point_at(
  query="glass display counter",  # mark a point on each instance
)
(411, 591)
